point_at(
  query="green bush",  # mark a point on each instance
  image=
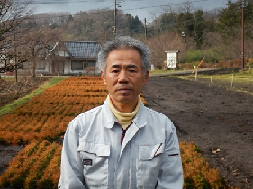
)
(250, 63)
(198, 55)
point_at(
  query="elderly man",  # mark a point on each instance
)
(121, 144)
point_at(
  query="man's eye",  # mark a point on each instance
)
(132, 71)
(115, 71)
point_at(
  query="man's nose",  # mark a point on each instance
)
(123, 77)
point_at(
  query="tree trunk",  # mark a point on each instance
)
(33, 68)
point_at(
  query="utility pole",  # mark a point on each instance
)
(242, 36)
(115, 12)
(15, 59)
(184, 40)
(146, 33)
(115, 17)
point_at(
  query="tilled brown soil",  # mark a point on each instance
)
(214, 118)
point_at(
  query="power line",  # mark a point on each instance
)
(61, 2)
(39, 2)
(173, 4)
(87, 1)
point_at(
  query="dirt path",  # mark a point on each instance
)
(212, 117)
(7, 153)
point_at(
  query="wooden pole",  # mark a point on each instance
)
(242, 36)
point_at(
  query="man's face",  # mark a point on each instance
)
(124, 76)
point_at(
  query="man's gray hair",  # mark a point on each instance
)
(124, 42)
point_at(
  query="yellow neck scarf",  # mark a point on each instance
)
(124, 119)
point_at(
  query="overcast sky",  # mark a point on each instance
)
(143, 8)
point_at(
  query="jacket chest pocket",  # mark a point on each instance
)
(149, 163)
(95, 163)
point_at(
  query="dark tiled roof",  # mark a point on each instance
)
(83, 49)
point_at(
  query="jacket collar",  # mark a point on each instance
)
(141, 118)
(108, 118)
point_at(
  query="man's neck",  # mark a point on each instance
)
(125, 108)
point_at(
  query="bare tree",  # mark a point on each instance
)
(53, 20)
(37, 43)
(161, 43)
(94, 25)
(12, 13)
(186, 7)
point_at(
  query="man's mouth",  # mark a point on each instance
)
(124, 89)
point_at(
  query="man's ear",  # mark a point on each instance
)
(103, 77)
(146, 78)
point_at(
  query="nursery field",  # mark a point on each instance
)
(46, 116)
(39, 125)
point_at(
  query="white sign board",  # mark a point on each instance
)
(172, 59)
(2, 62)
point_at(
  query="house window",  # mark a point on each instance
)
(41, 65)
(91, 63)
(76, 65)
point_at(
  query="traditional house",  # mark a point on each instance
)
(68, 58)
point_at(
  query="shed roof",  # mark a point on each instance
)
(83, 49)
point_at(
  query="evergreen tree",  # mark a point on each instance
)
(229, 21)
(198, 29)
(136, 25)
(167, 22)
(185, 23)
(248, 17)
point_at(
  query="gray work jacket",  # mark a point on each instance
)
(94, 157)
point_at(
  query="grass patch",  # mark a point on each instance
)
(9, 107)
(8, 78)
(163, 71)
(240, 82)
(238, 77)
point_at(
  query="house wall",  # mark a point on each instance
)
(45, 67)
(27, 68)
(41, 69)
(69, 70)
